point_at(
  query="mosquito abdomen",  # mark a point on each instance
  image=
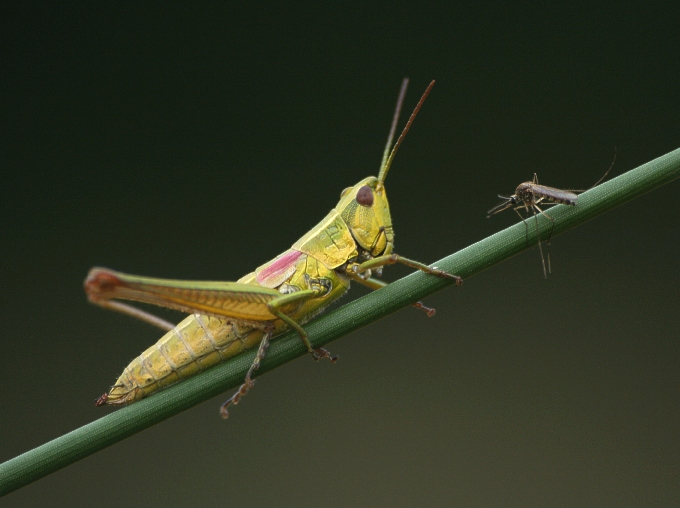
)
(531, 192)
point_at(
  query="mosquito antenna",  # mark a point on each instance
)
(395, 120)
(610, 168)
(388, 163)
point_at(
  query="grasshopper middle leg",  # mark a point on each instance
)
(374, 283)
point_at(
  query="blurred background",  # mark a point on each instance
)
(197, 142)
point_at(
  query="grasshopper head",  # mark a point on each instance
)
(364, 207)
(365, 210)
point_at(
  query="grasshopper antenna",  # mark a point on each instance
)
(387, 163)
(395, 120)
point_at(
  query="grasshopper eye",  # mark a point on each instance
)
(344, 193)
(365, 196)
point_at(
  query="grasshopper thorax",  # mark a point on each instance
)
(365, 210)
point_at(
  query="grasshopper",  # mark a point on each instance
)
(352, 243)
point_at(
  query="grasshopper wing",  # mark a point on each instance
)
(244, 302)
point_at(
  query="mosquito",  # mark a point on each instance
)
(529, 195)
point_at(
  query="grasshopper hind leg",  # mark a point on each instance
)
(249, 382)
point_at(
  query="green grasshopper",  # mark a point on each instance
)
(352, 243)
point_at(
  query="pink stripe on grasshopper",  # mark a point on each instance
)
(276, 272)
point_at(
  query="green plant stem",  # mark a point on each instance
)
(127, 421)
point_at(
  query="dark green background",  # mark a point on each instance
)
(199, 142)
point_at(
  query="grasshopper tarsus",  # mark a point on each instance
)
(234, 399)
(248, 382)
(446, 275)
(430, 311)
(321, 353)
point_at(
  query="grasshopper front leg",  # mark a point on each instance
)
(391, 259)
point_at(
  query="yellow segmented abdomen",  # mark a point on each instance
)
(196, 343)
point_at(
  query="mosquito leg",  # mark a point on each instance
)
(540, 249)
(526, 225)
(249, 382)
(552, 228)
(547, 217)
(607, 172)
(547, 248)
